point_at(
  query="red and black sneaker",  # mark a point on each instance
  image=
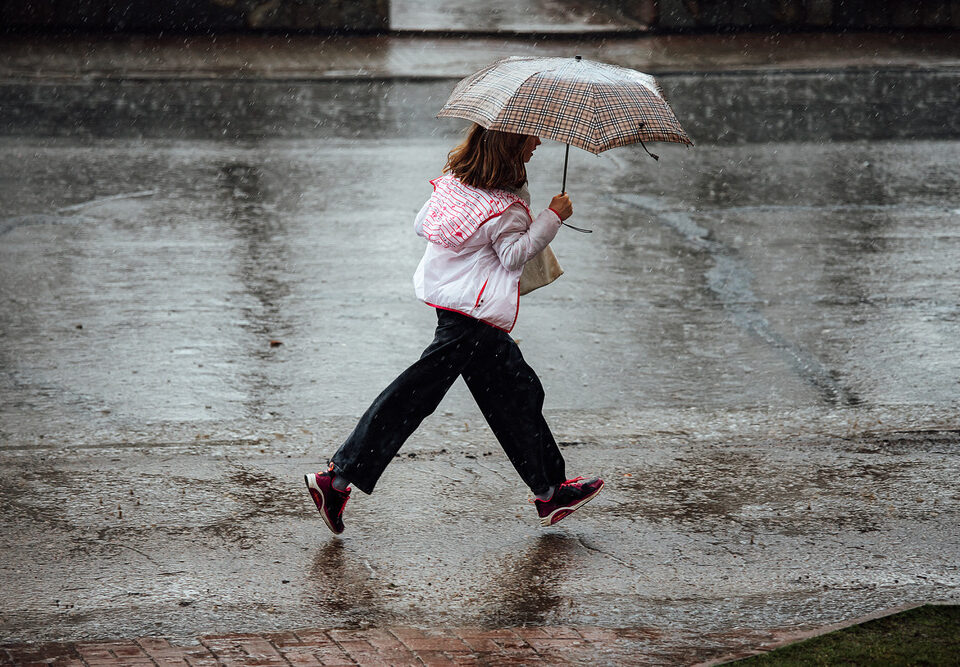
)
(567, 498)
(329, 501)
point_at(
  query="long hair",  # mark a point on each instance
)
(488, 159)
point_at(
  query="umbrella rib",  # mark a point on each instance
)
(593, 120)
(605, 102)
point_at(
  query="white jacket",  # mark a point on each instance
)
(479, 242)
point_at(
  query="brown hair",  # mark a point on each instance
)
(488, 159)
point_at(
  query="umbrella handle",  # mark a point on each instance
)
(563, 189)
(585, 231)
(566, 156)
(653, 155)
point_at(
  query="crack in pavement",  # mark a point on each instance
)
(630, 566)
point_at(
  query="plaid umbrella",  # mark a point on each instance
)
(591, 105)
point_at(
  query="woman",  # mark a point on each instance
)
(481, 233)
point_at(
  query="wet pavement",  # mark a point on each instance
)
(757, 348)
(144, 280)
(412, 57)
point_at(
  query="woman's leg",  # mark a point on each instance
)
(412, 397)
(510, 397)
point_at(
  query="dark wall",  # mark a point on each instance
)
(194, 15)
(669, 15)
(373, 15)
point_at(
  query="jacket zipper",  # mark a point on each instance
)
(477, 304)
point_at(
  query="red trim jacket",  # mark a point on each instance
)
(479, 242)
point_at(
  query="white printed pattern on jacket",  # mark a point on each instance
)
(456, 210)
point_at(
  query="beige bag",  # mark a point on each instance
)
(539, 271)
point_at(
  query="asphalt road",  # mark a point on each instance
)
(757, 347)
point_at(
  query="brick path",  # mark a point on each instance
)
(389, 646)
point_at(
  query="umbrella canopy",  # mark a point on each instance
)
(591, 105)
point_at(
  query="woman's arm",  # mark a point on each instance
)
(517, 239)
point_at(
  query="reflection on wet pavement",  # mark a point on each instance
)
(256, 223)
(527, 588)
(344, 587)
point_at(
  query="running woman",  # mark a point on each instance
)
(480, 233)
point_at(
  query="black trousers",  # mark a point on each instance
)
(505, 388)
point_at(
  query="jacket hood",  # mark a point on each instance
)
(456, 211)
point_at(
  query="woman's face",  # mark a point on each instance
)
(529, 146)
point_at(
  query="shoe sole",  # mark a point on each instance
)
(550, 519)
(317, 495)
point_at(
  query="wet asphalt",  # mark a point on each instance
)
(757, 348)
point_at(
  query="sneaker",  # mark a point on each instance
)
(329, 501)
(566, 499)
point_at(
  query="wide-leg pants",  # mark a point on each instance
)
(505, 388)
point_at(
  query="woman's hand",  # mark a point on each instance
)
(561, 205)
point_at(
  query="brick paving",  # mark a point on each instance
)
(395, 646)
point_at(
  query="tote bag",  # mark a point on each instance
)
(539, 271)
